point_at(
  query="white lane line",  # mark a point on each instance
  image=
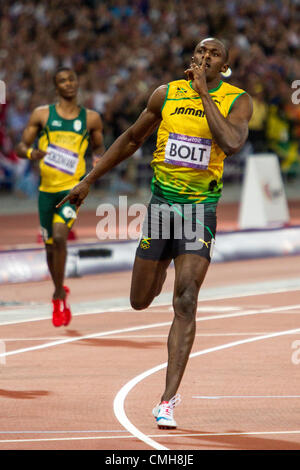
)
(220, 308)
(80, 338)
(122, 336)
(123, 392)
(282, 309)
(61, 432)
(82, 438)
(42, 312)
(175, 434)
(47, 316)
(144, 327)
(251, 433)
(205, 434)
(220, 397)
(51, 338)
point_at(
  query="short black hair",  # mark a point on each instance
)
(61, 69)
(222, 43)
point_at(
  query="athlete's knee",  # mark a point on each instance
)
(59, 240)
(140, 303)
(185, 304)
(49, 248)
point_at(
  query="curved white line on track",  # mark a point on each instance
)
(121, 395)
(155, 325)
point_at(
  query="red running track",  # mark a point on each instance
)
(93, 384)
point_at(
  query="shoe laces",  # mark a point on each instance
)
(168, 406)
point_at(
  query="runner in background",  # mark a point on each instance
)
(63, 131)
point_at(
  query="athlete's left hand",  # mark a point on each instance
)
(196, 73)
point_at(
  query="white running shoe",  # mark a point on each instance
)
(163, 413)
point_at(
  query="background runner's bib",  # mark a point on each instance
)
(66, 142)
(62, 159)
(192, 152)
(187, 162)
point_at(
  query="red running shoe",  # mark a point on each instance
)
(57, 315)
(67, 316)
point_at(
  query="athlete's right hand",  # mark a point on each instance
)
(37, 154)
(76, 195)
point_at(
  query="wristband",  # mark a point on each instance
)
(29, 152)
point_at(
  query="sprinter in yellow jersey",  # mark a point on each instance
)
(201, 121)
(63, 132)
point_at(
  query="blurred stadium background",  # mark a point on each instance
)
(122, 50)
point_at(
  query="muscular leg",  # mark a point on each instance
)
(190, 271)
(147, 280)
(56, 258)
(49, 257)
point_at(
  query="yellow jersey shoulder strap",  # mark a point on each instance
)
(227, 94)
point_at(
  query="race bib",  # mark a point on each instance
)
(62, 159)
(183, 150)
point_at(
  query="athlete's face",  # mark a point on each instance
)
(67, 84)
(214, 56)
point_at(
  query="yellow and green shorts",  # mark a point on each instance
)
(50, 215)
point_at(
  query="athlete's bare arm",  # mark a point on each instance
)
(128, 142)
(124, 146)
(36, 122)
(230, 133)
(95, 128)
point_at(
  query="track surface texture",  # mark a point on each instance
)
(93, 384)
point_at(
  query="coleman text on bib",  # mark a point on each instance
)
(61, 159)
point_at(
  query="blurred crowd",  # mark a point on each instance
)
(123, 49)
